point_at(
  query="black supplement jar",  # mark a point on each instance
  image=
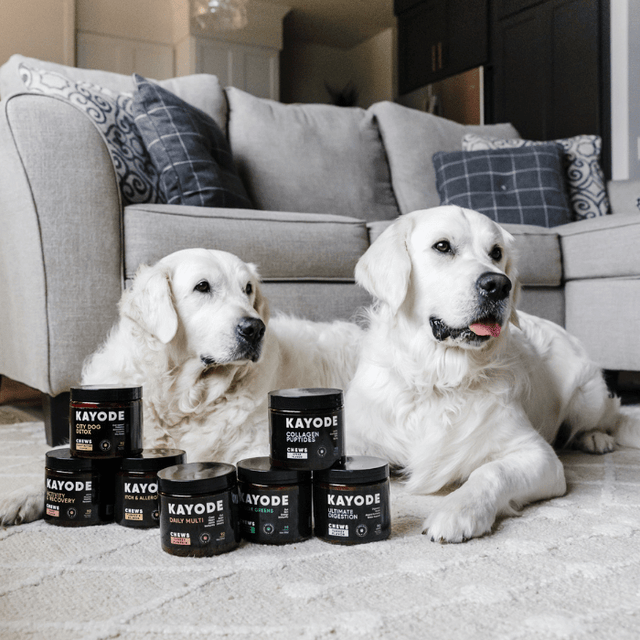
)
(79, 492)
(351, 501)
(105, 421)
(306, 428)
(275, 503)
(137, 502)
(198, 509)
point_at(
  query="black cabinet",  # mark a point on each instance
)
(549, 71)
(438, 39)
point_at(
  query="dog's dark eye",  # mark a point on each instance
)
(203, 287)
(248, 289)
(444, 246)
(496, 254)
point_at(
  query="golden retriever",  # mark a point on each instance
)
(456, 388)
(194, 331)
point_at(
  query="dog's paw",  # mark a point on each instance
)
(21, 506)
(595, 442)
(455, 521)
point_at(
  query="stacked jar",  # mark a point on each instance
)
(308, 471)
(104, 474)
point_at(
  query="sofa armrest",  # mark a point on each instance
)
(624, 196)
(602, 247)
(60, 246)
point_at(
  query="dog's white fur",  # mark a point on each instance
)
(205, 386)
(477, 413)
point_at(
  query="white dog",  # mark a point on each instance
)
(456, 388)
(194, 331)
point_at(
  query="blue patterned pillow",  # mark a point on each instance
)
(522, 186)
(587, 191)
(189, 150)
(113, 116)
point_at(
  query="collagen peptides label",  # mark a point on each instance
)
(352, 515)
(306, 441)
(275, 516)
(199, 525)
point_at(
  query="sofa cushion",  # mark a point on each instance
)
(285, 246)
(411, 137)
(604, 247)
(113, 116)
(523, 185)
(201, 90)
(310, 158)
(188, 150)
(587, 192)
(538, 255)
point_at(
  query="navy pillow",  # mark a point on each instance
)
(523, 186)
(188, 149)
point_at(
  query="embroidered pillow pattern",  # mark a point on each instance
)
(585, 180)
(113, 116)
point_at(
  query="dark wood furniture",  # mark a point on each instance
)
(546, 61)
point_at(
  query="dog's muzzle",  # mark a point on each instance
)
(493, 291)
(249, 334)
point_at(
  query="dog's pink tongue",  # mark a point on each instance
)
(485, 329)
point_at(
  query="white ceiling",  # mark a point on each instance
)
(336, 23)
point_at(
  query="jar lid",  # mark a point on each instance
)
(355, 470)
(260, 471)
(105, 393)
(154, 460)
(62, 460)
(197, 478)
(306, 399)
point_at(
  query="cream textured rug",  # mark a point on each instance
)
(567, 568)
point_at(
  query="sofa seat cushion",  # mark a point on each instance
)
(537, 248)
(604, 247)
(310, 158)
(188, 149)
(524, 185)
(411, 137)
(285, 246)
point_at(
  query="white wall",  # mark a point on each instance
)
(44, 30)
(306, 68)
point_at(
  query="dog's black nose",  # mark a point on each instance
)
(494, 286)
(251, 330)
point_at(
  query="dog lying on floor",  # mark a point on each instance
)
(454, 387)
(194, 330)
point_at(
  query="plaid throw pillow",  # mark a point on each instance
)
(523, 186)
(113, 116)
(584, 177)
(188, 149)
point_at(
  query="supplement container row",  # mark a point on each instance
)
(205, 508)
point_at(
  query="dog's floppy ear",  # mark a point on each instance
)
(512, 273)
(385, 268)
(260, 303)
(149, 303)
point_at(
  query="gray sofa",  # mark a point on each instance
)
(325, 181)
